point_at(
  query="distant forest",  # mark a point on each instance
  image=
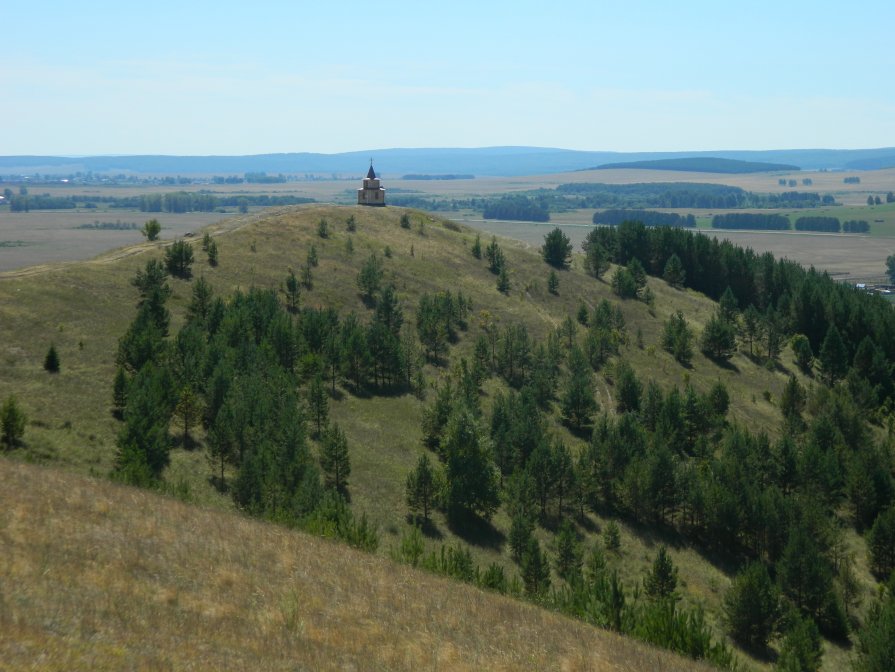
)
(684, 195)
(709, 164)
(178, 202)
(613, 217)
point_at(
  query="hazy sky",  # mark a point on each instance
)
(196, 77)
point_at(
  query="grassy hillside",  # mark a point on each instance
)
(84, 308)
(101, 577)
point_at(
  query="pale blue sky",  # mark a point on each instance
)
(244, 78)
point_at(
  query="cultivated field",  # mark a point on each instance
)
(52, 236)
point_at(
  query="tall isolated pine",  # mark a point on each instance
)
(557, 249)
(51, 361)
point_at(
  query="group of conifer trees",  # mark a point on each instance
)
(256, 376)
(669, 458)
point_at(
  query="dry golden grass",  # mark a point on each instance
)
(96, 576)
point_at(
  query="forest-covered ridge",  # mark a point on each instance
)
(425, 257)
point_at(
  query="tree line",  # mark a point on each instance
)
(853, 328)
(681, 195)
(615, 216)
(521, 208)
(174, 202)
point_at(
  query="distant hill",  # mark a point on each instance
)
(707, 164)
(480, 161)
(873, 162)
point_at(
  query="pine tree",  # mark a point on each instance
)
(521, 529)
(557, 249)
(728, 306)
(503, 279)
(369, 278)
(477, 246)
(212, 252)
(629, 389)
(293, 290)
(12, 423)
(51, 361)
(568, 554)
(318, 402)
(674, 272)
(752, 607)
(471, 485)
(334, 459)
(583, 314)
(792, 402)
(143, 444)
(718, 339)
(578, 402)
(535, 570)
(179, 258)
(661, 580)
(188, 409)
(802, 649)
(596, 257)
(421, 488)
(200, 303)
(751, 328)
(553, 282)
(833, 356)
(119, 392)
(222, 440)
(881, 543)
(801, 348)
(677, 338)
